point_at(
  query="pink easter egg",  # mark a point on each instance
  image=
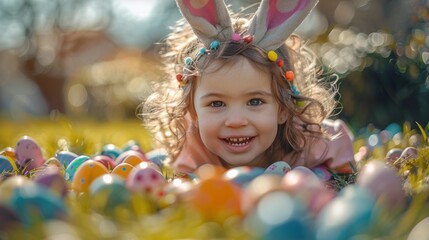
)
(28, 154)
(300, 178)
(107, 161)
(146, 180)
(383, 182)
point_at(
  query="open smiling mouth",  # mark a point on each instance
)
(238, 141)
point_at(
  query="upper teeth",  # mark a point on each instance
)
(241, 139)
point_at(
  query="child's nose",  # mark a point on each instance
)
(236, 119)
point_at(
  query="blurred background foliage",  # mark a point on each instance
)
(98, 58)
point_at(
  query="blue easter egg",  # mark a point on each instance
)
(279, 216)
(157, 156)
(111, 151)
(5, 165)
(65, 157)
(108, 192)
(34, 203)
(73, 166)
(349, 214)
(279, 168)
(243, 175)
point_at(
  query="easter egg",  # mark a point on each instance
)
(111, 151)
(132, 145)
(73, 166)
(242, 176)
(349, 214)
(9, 220)
(53, 180)
(322, 173)
(33, 203)
(146, 180)
(279, 168)
(258, 188)
(217, 198)
(54, 162)
(85, 174)
(383, 182)
(109, 192)
(8, 152)
(65, 157)
(207, 171)
(420, 230)
(279, 216)
(393, 154)
(122, 170)
(300, 178)
(107, 161)
(131, 157)
(28, 154)
(409, 153)
(8, 186)
(5, 164)
(157, 156)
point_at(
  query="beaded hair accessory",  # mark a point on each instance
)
(270, 26)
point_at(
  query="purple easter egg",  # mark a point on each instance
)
(53, 180)
(28, 154)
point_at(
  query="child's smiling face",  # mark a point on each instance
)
(237, 112)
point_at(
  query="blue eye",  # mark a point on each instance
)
(217, 104)
(255, 102)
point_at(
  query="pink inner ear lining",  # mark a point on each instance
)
(207, 11)
(275, 17)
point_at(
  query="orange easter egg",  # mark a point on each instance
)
(123, 170)
(85, 174)
(217, 198)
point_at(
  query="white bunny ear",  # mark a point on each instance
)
(275, 21)
(209, 20)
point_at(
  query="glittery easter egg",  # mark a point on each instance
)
(122, 170)
(73, 166)
(217, 198)
(111, 151)
(109, 192)
(393, 154)
(383, 182)
(65, 157)
(53, 180)
(131, 157)
(279, 168)
(356, 204)
(279, 216)
(34, 203)
(8, 186)
(243, 175)
(409, 153)
(5, 164)
(146, 180)
(28, 154)
(259, 187)
(85, 174)
(107, 161)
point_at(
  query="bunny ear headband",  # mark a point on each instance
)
(271, 25)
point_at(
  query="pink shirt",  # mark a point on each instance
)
(336, 152)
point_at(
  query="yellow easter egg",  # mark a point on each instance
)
(123, 170)
(85, 175)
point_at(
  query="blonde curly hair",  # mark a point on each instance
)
(165, 112)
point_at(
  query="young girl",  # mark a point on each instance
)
(244, 92)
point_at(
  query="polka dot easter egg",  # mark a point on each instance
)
(85, 174)
(28, 154)
(122, 170)
(146, 180)
(73, 166)
(279, 168)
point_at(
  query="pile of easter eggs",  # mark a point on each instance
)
(125, 192)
